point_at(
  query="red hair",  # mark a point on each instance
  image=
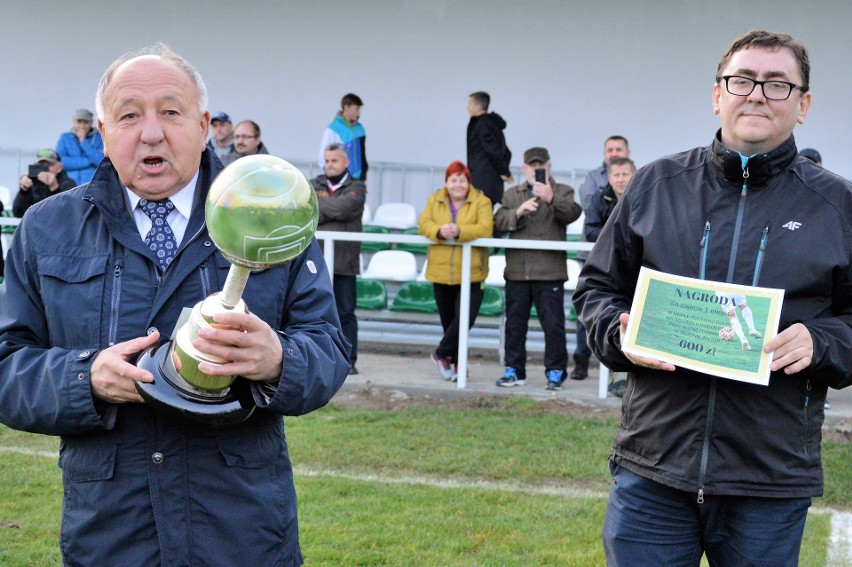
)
(457, 168)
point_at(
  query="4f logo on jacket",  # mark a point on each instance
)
(792, 225)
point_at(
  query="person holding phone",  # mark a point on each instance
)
(538, 209)
(45, 177)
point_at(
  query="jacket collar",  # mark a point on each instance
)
(761, 167)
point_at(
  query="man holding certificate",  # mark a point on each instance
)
(704, 464)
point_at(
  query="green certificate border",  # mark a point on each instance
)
(680, 320)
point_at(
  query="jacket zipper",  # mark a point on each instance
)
(205, 280)
(711, 403)
(761, 251)
(114, 303)
(704, 245)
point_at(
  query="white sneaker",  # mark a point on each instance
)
(445, 367)
(754, 333)
(746, 346)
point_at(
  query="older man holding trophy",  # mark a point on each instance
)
(153, 249)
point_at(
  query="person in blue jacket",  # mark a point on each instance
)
(81, 148)
(84, 295)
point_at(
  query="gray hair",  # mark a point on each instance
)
(165, 53)
(335, 147)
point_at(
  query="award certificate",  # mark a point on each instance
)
(712, 327)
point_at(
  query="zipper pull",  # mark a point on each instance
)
(701, 496)
(706, 234)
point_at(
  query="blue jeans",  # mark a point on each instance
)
(648, 523)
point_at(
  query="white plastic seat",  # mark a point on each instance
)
(496, 266)
(576, 227)
(6, 198)
(574, 268)
(395, 216)
(366, 216)
(421, 277)
(392, 265)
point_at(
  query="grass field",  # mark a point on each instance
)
(507, 484)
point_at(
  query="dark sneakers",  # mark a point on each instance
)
(510, 379)
(581, 367)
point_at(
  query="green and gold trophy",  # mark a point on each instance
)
(261, 212)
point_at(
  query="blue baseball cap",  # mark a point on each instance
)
(220, 117)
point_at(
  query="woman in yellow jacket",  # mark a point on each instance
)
(456, 212)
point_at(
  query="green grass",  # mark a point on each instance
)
(370, 492)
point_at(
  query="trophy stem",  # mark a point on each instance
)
(235, 283)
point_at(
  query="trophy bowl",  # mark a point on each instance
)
(261, 212)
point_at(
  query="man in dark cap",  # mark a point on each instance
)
(81, 149)
(538, 209)
(222, 140)
(46, 177)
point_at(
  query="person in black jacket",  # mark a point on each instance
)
(701, 464)
(50, 180)
(488, 156)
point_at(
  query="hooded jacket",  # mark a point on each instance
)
(142, 487)
(488, 156)
(775, 221)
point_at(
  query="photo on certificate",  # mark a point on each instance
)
(712, 327)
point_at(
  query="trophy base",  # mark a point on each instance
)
(170, 393)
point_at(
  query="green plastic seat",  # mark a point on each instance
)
(413, 248)
(6, 229)
(572, 314)
(492, 302)
(415, 296)
(370, 294)
(374, 246)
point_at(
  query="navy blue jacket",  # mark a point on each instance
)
(79, 278)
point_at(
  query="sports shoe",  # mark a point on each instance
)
(554, 379)
(581, 367)
(510, 379)
(754, 333)
(445, 366)
(746, 346)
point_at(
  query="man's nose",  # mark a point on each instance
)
(152, 130)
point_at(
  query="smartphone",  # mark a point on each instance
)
(540, 175)
(35, 169)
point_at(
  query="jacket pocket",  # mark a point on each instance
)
(72, 289)
(86, 463)
(253, 449)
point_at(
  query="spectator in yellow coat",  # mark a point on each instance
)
(456, 212)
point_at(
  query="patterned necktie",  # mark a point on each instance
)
(160, 239)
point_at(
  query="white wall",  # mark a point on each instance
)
(564, 74)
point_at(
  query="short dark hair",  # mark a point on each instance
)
(617, 138)
(773, 41)
(622, 161)
(254, 125)
(481, 98)
(351, 99)
(335, 147)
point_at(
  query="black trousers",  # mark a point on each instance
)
(345, 295)
(448, 299)
(548, 298)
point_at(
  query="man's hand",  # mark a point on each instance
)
(249, 346)
(528, 206)
(25, 183)
(114, 378)
(508, 179)
(49, 179)
(623, 319)
(543, 191)
(794, 349)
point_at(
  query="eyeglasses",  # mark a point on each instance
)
(244, 137)
(772, 90)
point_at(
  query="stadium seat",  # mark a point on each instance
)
(374, 246)
(421, 277)
(415, 296)
(492, 302)
(395, 216)
(371, 294)
(391, 265)
(6, 198)
(367, 215)
(574, 267)
(575, 229)
(413, 248)
(496, 265)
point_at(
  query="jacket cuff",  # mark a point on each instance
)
(82, 411)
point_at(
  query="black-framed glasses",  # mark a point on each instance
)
(244, 137)
(772, 90)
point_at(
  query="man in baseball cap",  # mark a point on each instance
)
(222, 140)
(45, 177)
